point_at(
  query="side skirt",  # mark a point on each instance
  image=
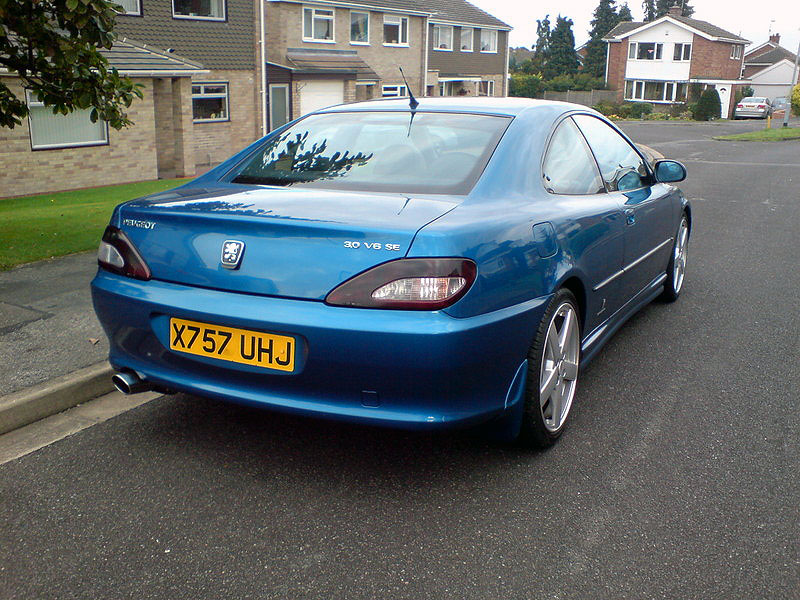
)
(593, 342)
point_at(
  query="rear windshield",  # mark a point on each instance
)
(434, 153)
(755, 100)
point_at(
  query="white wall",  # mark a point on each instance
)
(774, 81)
(665, 69)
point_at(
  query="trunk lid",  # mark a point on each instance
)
(298, 243)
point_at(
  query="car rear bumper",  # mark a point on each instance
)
(412, 369)
(760, 114)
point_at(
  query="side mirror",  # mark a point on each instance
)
(669, 171)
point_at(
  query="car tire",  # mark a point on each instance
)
(676, 268)
(553, 366)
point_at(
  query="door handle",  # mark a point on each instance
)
(630, 216)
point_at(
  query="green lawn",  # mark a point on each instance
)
(47, 225)
(776, 134)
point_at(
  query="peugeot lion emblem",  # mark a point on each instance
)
(232, 251)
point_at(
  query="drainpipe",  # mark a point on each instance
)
(424, 91)
(505, 69)
(263, 62)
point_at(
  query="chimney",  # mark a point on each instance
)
(775, 38)
(675, 11)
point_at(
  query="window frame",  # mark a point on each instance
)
(203, 95)
(331, 18)
(35, 103)
(650, 175)
(490, 88)
(736, 51)
(496, 37)
(658, 51)
(436, 34)
(400, 18)
(684, 46)
(471, 39)
(359, 12)
(138, 13)
(399, 88)
(635, 83)
(586, 147)
(223, 18)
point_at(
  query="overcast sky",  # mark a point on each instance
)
(751, 20)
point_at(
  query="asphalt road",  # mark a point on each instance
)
(678, 477)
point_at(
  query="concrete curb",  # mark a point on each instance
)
(40, 401)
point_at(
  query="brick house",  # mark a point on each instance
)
(655, 62)
(467, 51)
(55, 152)
(770, 68)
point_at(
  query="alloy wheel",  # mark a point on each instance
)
(559, 367)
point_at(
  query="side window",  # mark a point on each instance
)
(568, 166)
(620, 165)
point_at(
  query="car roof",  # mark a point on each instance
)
(490, 106)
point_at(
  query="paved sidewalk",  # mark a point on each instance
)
(47, 324)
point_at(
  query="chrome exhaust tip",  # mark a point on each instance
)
(128, 382)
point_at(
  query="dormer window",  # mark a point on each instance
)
(211, 10)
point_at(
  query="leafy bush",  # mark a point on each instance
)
(748, 91)
(708, 107)
(604, 107)
(656, 116)
(677, 110)
(639, 109)
(796, 100)
(526, 86)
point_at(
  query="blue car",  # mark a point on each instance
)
(442, 263)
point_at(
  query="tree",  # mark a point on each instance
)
(649, 8)
(52, 45)
(625, 13)
(541, 50)
(605, 19)
(563, 58)
(663, 6)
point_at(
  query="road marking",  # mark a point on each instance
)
(30, 438)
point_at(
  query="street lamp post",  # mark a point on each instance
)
(794, 82)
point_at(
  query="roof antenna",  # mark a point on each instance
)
(412, 102)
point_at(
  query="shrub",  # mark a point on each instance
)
(708, 107)
(676, 110)
(656, 116)
(527, 86)
(604, 107)
(639, 109)
(748, 91)
(796, 100)
(695, 90)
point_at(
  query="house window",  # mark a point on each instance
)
(467, 38)
(645, 50)
(394, 91)
(655, 91)
(736, 52)
(63, 131)
(209, 102)
(213, 10)
(442, 37)
(486, 88)
(395, 30)
(488, 40)
(682, 52)
(317, 25)
(131, 7)
(359, 27)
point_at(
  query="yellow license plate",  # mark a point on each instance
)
(235, 345)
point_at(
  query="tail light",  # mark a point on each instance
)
(118, 255)
(762, 106)
(408, 283)
(739, 106)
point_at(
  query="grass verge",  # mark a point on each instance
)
(49, 225)
(776, 134)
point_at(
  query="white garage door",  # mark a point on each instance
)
(320, 94)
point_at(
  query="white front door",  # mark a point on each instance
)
(316, 94)
(724, 91)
